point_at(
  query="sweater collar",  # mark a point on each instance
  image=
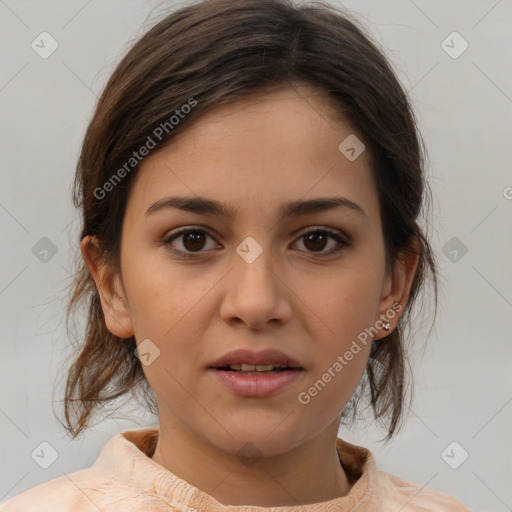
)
(126, 458)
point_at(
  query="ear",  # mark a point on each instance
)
(110, 289)
(397, 287)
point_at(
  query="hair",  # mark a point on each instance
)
(212, 53)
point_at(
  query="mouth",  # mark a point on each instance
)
(256, 374)
(265, 381)
(269, 360)
(258, 369)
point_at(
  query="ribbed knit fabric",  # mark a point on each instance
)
(125, 479)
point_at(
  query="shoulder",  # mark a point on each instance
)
(73, 492)
(375, 489)
(400, 494)
(87, 491)
(122, 478)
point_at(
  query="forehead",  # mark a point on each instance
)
(273, 147)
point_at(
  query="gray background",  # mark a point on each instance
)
(463, 379)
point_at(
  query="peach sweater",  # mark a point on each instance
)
(125, 479)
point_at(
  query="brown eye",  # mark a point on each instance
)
(192, 241)
(316, 241)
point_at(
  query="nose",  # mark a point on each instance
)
(257, 294)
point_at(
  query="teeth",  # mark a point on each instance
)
(255, 367)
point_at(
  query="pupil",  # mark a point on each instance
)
(315, 237)
(196, 237)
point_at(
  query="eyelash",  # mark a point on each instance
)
(324, 231)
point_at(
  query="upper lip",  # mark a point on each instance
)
(269, 356)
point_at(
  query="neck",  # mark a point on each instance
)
(308, 473)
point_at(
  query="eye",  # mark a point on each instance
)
(192, 240)
(316, 240)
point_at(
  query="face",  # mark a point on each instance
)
(306, 284)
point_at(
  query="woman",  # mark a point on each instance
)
(250, 185)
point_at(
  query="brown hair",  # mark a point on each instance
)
(214, 52)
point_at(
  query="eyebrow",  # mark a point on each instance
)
(202, 205)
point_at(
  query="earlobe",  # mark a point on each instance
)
(108, 284)
(393, 304)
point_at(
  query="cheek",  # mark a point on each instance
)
(161, 296)
(348, 302)
(333, 382)
(341, 308)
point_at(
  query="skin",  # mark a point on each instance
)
(253, 155)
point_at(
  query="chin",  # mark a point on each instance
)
(260, 440)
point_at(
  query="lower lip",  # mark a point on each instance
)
(257, 385)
